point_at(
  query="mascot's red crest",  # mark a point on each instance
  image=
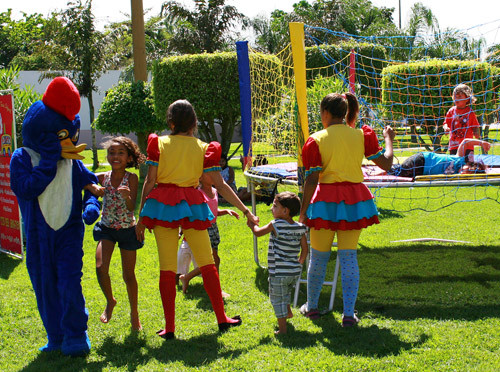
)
(62, 96)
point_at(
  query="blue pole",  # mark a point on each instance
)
(245, 98)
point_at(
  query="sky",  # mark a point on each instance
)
(479, 17)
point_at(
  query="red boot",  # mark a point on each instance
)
(168, 292)
(212, 287)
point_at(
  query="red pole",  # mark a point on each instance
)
(352, 71)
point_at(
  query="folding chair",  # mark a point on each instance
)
(332, 283)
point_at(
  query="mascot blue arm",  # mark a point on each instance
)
(48, 178)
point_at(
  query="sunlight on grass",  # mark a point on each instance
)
(423, 306)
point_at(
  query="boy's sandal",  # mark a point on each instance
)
(350, 321)
(311, 314)
(223, 327)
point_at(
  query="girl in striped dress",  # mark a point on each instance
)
(170, 200)
(335, 201)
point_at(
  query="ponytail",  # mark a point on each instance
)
(352, 109)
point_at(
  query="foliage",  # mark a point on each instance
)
(320, 87)
(422, 91)
(19, 36)
(82, 59)
(128, 107)
(359, 18)
(209, 82)
(329, 60)
(207, 28)
(23, 98)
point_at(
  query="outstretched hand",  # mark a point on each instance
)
(251, 219)
(389, 133)
(233, 213)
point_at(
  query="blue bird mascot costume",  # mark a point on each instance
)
(48, 177)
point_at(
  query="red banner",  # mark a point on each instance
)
(10, 222)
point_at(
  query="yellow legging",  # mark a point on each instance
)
(167, 241)
(322, 239)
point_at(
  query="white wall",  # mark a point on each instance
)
(105, 82)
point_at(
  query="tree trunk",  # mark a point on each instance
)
(95, 159)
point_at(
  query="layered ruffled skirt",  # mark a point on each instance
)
(342, 206)
(171, 206)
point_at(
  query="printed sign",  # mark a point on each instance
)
(11, 240)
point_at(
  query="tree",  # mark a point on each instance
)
(205, 29)
(19, 37)
(82, 59)
(129, 107)
(23, 98)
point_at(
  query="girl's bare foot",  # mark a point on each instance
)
(136, 323)
(108, 311)
(225, 295)
(185, 283)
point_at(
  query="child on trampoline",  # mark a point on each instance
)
(461, 122)
(117, 224)
(430, 163)
(185, 255)
(336, 201)
(287, 240)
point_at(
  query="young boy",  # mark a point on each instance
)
(287, 240)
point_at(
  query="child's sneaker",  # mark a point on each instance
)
(350, 321)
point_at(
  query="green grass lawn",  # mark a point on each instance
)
(423, 306)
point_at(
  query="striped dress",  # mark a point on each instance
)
(284, 248)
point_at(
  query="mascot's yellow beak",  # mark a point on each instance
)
(70, 151)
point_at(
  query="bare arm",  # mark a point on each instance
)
(130, 193)
(309, 188)
(476, 132)
(474, 142)
(228, 194)
(259, 231)
(385, 161)
(223, 212)
(149, 184)
(304, 249)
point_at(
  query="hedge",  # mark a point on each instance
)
(210, 82)
(422, 91)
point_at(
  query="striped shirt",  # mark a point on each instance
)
(284, 248)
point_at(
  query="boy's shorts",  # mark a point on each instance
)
(125, 238)
(280, 293)
(213, 233)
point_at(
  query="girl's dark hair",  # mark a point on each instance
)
(132, 150)
(338, 105)
(289, 200)
(181, 116)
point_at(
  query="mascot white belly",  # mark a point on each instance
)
(56, 201)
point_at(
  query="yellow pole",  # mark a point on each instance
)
(299, 69)
(138, 41)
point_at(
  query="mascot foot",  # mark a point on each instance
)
(52, 345)
(78, 346)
